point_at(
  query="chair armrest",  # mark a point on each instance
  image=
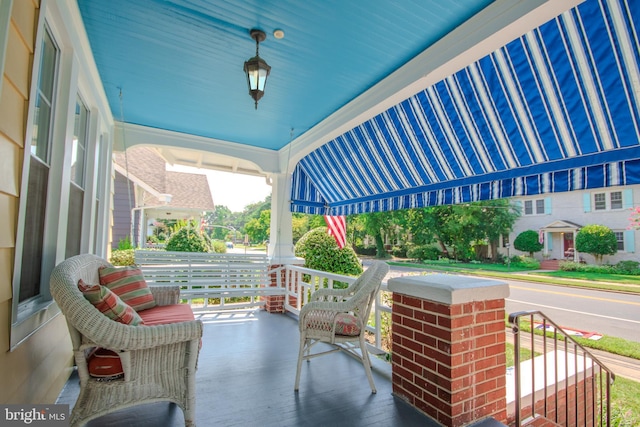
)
(117, 336)
(165, 294)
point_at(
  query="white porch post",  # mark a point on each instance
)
(281, 240)
(575, 252)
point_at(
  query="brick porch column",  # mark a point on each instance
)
(275, 303)
(449, 346)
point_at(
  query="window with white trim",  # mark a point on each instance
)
(615, 198)
(619, 239)
(534, 207)
(77, 185)
(39, 167)
(607, 201)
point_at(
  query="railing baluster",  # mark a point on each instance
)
(555, 352)
(544, 368)
(566, 379)
(516, 372)
(609, 379)
(533, 366)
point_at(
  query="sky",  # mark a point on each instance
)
(232, 190)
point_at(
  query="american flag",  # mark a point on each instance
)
(337, 226)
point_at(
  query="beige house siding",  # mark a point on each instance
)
(37, 369)
(570, 206)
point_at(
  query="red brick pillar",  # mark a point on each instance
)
(275, 303)
(449, 346)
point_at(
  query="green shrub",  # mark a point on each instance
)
(586, 268)
(525, 262)
(399, 251)
(528, 241)
(187, 239)
(569, 266)
(124, 244)
(424, 252)
(122, 257)
(628, 267)
(219, 246)
(321, 252)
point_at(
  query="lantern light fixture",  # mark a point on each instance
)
(257, 69)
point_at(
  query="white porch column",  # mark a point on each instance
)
(281, 240)
(575, 252)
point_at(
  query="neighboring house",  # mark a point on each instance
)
(145, 192)
(558, 218)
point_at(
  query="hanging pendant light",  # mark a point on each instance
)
(257, 69)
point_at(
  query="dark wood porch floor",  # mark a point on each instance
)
(246, 374)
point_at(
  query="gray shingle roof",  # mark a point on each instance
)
(188, 190)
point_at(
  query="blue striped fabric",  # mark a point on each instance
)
(555, 110)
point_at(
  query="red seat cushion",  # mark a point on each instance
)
(163, 314)
(105, 364)
(345, 323)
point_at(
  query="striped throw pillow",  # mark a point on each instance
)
(109, 304)
(129, 284)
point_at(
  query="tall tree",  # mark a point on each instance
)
(376, 224)
(258, 228)
(497, 218)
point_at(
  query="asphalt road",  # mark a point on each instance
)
(603, 312)
(607, 313)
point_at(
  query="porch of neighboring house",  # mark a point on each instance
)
(558, 239)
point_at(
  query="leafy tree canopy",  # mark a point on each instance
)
(528, 241)
(597, 240)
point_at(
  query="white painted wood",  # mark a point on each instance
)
(209, 275)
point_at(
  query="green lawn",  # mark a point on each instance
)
(625, 403)
(462, 266)
(525, 354)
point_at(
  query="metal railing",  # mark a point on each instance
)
(567, 383)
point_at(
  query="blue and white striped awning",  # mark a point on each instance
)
(556, 110)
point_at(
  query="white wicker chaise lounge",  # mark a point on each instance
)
(159, 362)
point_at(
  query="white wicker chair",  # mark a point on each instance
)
(318, 319)
(159, 362)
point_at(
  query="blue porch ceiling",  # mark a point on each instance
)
(555, 110)
(179, 63)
